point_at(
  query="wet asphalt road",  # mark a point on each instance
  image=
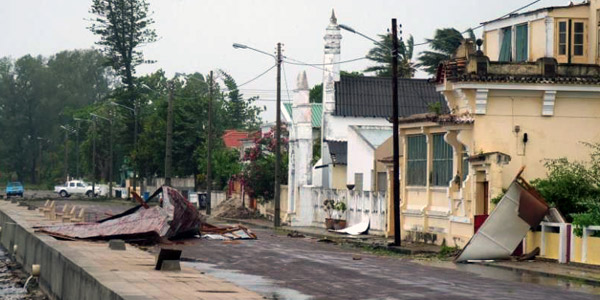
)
(280, 267)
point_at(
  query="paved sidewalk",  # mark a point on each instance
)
(130, 273)
(589, 275)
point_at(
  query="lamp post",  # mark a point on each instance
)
(93, 152)
(396, 138)
(67, 130)
(135, 130)
(40, 139)
(277, 57)
(110, 166)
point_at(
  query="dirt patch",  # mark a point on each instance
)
(232, 208)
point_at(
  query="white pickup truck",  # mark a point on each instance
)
(76, 187)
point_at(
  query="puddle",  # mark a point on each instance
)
(9, 288)
(265, 287)
(518, 276)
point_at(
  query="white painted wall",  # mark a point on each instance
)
(340, 126)
(360, 159)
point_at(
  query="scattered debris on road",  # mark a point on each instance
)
(226, 233)
(295, 234)
(358, 229)
(173, 217)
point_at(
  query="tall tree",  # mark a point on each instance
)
(123, 27)
(382, 55)
(444, 44)
(243, 114)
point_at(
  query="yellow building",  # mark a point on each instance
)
(505, 115)
(568, 33)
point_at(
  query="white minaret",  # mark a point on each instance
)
(331, 74)
(301, 141)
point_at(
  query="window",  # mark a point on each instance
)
(442, 161)
(79, 184)
(521, 42)
(72, 184)
(562, 38)
(416, 171)
(358, 181)
(578, 38)
(506, 46)
(381, 181)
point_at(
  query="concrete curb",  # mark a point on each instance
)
(589, 281)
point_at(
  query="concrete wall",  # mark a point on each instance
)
(60, 278)
(360, 160)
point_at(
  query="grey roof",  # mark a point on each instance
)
(339, 152)
(371, 97)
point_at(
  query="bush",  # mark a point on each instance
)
(574, 188)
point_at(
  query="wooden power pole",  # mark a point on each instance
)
(395, 134)
(276, 218)
(209, 145)
(169, 141)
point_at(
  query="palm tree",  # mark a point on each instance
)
(444, 44)
(382, 55)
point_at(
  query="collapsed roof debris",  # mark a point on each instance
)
(520, 209)
(237, 232)
(174, 216)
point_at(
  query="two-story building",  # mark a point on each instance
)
(568, 33)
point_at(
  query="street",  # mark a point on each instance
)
(280, 267)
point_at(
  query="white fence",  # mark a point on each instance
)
(362, 206)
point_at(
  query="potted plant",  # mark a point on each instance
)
(339, 223)
(329, 206)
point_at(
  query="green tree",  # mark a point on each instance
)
(444, 44)
(259, 170)
(316, 94)
(382, 55)
(242, 113)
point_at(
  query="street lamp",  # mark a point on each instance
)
(40, 139)
(93, 153)
(276, 217)
(396, 154)
(135, 134)
(67, 130)
(110, 166)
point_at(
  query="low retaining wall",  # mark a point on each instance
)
(60, 278)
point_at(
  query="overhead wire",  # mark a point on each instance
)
(481, 25)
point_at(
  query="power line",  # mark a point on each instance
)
(259, 75)
(327, 64)
(287, 89)
(481, 25)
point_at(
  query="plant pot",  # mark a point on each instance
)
(329, 223)
(339, 224)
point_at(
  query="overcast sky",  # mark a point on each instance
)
(196, 35)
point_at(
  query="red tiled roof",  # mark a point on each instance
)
(233, 138)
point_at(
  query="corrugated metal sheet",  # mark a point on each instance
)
(371, 97)
(317, 113)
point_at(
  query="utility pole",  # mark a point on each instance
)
(169, 142)
(396, 138)
(276, 218)
(209, 145)
(77, 152)
(135, 136)
(66, 155)
(94, 159)
(110, 166)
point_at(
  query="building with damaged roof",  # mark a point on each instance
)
(504, 115)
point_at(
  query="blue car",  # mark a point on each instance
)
(14, 189)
